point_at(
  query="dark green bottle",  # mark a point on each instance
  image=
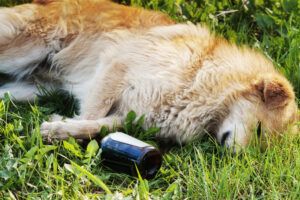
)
(124, 153)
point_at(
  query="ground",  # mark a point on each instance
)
(33, 169)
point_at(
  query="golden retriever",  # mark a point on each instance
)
(115, 58)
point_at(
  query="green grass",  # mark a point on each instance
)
(33, 169)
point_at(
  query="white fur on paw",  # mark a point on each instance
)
(55, 118)
(53, 130)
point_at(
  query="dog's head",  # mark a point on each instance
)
(268, 106)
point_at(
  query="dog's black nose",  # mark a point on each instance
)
(224, 137)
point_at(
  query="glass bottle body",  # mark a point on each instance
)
(126, 154)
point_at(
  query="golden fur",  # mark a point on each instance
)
(115, 58)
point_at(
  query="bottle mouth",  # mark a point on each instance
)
(150, 164)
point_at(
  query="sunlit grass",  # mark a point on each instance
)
(31, 169)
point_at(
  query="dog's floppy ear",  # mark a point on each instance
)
(273, 93)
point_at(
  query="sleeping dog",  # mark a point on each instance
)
(115, 58)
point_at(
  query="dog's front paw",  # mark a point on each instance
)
(56, 117)
(53, 130)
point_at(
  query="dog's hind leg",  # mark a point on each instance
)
(79, 129)
(21, 51)
(11, 24)
(20, 91)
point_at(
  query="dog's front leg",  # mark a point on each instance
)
(106, 90)
(79, 129)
